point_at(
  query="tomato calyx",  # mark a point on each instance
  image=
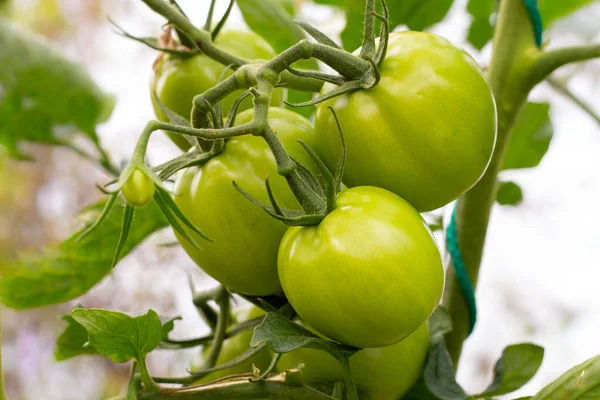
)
(325, 189)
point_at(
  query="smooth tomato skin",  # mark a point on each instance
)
(385, 373)
(177, 81)
(426, 132)
(368, 275)
(233, 348)
(139, 189)
(243, 253)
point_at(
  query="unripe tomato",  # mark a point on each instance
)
(368, 275)
(243, 253)
(233, 348)
(178, 80)
(426, 132)
(385, 373)
(138, 189)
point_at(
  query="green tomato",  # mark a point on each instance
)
(178, 80)
(426, 132)
(368, 275)
(233, 348)
(385, 373)
(138, 189)
(243, 253)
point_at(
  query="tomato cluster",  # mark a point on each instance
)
(369, 274)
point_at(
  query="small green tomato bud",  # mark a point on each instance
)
(139, 189)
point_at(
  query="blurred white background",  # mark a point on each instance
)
(540, 273)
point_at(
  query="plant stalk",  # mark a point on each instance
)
(513, 54)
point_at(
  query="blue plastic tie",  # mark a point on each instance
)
(536, 20)
(464, 282)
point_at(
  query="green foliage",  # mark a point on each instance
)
(65, 271)
(517, 365)
(553, 10)
(72, 340)
(481, 29)
(509, 194)
(440, 323)
(439, 374)
(417, 15)
(515, 368)
(531, 137)
(582, 382)
(118, 336)
(45, 97)
(282, 335)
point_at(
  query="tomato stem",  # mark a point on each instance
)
(514, 46)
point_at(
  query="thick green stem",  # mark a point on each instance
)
(513, 55)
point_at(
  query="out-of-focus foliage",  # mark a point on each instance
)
(63, 272)
(45, 97)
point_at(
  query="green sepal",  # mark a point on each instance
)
(310, 179)
(175, 118)
(322, 76)
(234, 108)
(222, 21)
(183, 38)
(317, 34)
(107, 207)
(288, 217)
(330, 188)
(272, 199)
(152, 42)
(125, 226)
(174, 215)
(187, 160)
(215, 114)
(384, 35)
(339, 169)
(346, 87)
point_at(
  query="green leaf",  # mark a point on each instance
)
(71, 341)
(481, 29)
(417, 15)
(531, 137)
(74, 339)
(517, 365)
(65, 271)
(440, 323)
(118, 336)
(168, 324)
(439, 374)
(582, 382)
(270, 20)
(282, 335)
(552, 10)
(45, 97)
(509, 194)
